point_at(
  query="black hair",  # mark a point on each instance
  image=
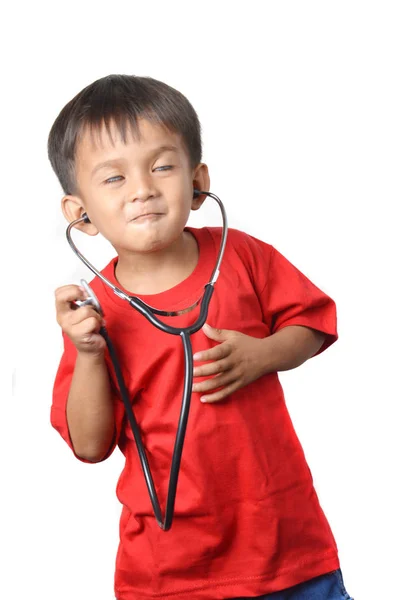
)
(120, 99)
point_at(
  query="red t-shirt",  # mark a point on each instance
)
(247, 519)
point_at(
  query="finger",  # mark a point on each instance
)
(83, 313)
(214, 382)
(69, 320)
(216, 353)
(86, 328)
(67, 294)
(221, 394)
(220, 335)
(212, 368)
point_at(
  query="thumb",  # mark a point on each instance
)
(220, 335)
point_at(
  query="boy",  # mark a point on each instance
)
(247, 522)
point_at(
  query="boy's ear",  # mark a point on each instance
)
(73, 209)
(201, 182)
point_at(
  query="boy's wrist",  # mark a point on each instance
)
(91, 358)
(268, 363)
(289, 348)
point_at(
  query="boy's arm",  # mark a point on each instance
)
(90, 416)
(300, 318)
(289, 348)
(90, 410)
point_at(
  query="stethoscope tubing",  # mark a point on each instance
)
(184, 332)
(138, 303)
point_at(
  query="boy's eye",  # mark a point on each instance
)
(113, 179)
(164, 168)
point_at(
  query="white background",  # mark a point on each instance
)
(299, 106)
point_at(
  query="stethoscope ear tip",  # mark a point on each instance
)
(85, 218)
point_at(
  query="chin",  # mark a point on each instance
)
(156, 244)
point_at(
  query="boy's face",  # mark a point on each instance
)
(138, 194)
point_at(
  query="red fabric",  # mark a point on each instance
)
(247, 518)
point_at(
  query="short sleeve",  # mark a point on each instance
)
(290, 298)
(60, 396)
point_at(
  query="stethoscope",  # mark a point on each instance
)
(184, 332)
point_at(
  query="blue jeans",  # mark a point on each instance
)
(325, 587)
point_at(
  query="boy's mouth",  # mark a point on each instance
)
(147, 216)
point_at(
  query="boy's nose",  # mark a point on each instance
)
(142, 189)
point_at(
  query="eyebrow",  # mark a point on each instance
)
(117, 161)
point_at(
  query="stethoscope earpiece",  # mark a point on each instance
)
(85, 218)
(196, 193)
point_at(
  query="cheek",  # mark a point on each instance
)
(181, 185)
(102, 207)
(181, 199)
(106, 221)
(181, 212)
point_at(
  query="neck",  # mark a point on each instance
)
(159, 271)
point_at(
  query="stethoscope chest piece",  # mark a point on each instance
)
(91, 299)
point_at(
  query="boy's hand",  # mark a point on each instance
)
(235, 362)
(82, 324)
